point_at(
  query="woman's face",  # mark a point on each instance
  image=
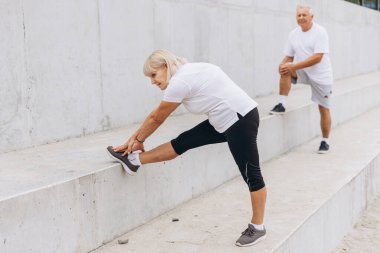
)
(159, 78)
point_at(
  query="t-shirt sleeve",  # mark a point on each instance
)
(322, 43)
(176, 91)
(289, 50)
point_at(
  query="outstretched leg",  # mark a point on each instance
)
(200, 135)
(161, 153)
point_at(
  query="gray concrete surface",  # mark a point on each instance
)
(74, 198)
(52, 164)
(67, 68)
(313, 201)
(365, 236)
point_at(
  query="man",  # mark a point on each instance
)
(307, 61)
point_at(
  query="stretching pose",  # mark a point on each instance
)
(202, 88)
(307, 61)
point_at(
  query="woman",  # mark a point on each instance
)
(202, 88)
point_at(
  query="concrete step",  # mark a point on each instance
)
(313, 201)
(365, 236)
(69, 196)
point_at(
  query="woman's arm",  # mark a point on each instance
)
(150, 124)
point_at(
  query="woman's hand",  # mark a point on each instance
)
(151, 123)
(131, 145)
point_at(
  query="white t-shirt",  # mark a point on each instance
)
(204, 88)
(301, 45)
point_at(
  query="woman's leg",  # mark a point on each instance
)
(258, 200)
(161, 153)
(200, 135)
(242, 140)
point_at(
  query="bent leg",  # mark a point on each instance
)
(325, 121)
(285, 84)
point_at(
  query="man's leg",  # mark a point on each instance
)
(325, 121)
(285, 84)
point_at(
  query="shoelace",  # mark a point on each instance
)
(249, 232)
(277, 107)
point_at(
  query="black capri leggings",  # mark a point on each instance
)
(242, 141)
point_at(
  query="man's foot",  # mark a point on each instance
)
(323, 148)
(278, 109)
(127, 165)
(251, 236)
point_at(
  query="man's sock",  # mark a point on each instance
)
(325, 140)
(258, 227)
(283, 99)
(134, 157)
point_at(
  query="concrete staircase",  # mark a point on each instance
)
(313, 201)
(69, 196)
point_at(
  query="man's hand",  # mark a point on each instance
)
(286, 68)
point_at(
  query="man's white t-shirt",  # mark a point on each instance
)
(204, 88)
(301, 45)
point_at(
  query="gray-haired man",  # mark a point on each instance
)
(307, 61)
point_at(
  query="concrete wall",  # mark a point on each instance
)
(71, 68)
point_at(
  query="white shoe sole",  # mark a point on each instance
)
(253, 243)
(125, 167)
(323, 152)
(276, 113)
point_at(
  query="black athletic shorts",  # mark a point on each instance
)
(242, 142)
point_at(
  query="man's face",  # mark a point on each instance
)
(304, 19)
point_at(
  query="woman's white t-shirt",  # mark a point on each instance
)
(204, 88)
(301, 45)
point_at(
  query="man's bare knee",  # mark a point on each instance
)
(324, 110)
(287, 75)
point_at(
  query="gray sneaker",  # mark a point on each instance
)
(127, 165)
(251, 236)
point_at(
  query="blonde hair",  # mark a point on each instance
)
(163, 58)
(308, 8)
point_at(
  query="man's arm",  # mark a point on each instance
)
(312, 60)
(286, 60)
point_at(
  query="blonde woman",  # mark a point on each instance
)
(202, 88)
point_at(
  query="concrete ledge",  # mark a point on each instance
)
(313, 201)
(69, 197)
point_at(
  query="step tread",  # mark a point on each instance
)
(365, 236)
(48, 165)
(213, 221)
